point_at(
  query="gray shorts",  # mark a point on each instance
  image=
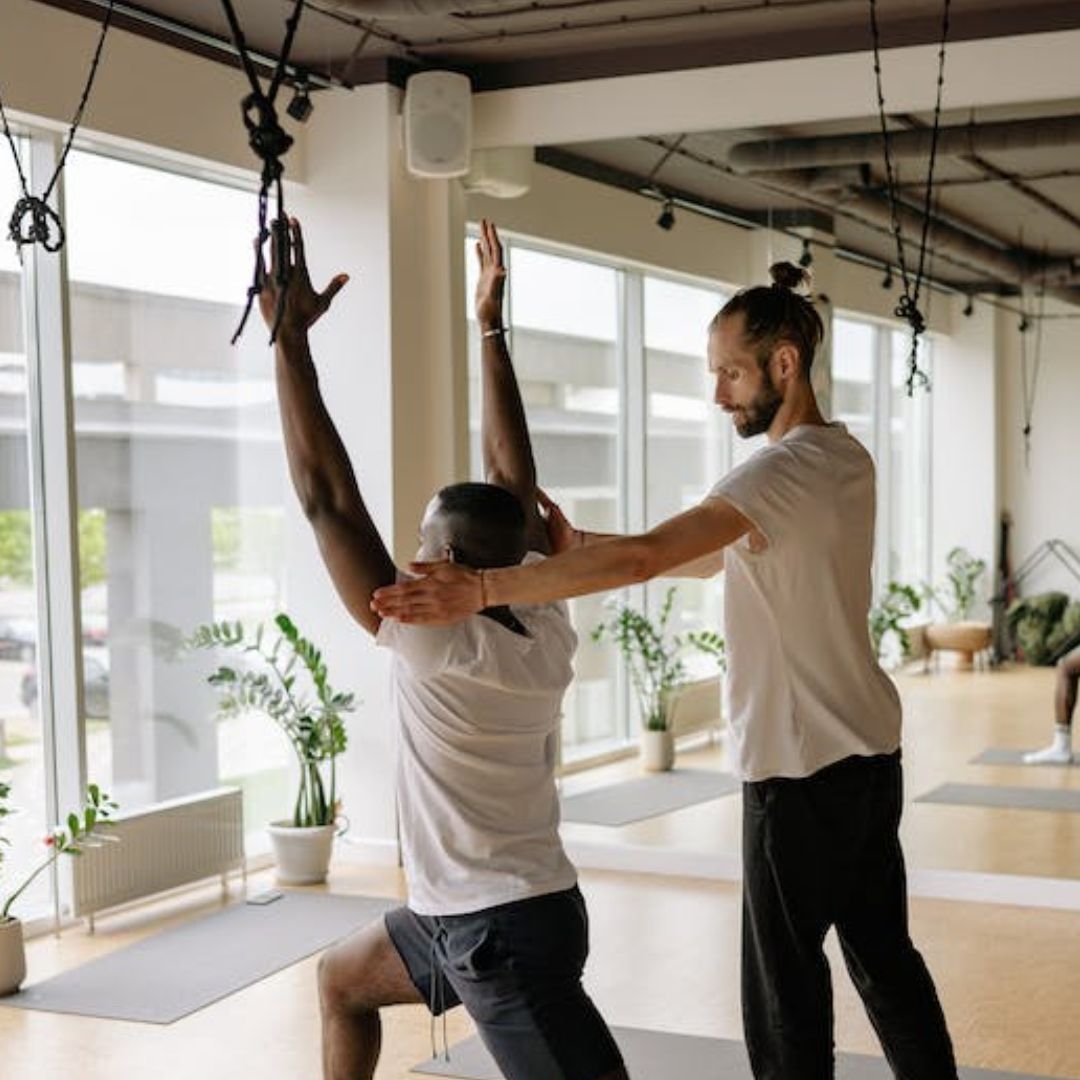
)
(517, 970)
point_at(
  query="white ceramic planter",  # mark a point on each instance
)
(12, 956)
(302, 855)
(657, 750)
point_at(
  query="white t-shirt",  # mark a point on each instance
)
(804, 688)
(478, 709)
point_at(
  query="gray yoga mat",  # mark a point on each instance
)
(661, 1055)
(1003, 755)
(174, 973)
(1010, 798)
(647, 797)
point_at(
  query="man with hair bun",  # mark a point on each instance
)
(815, 722)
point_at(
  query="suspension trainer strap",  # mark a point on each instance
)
(33, 221)
(907, 307)
(270, 143)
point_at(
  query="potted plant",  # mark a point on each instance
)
(657, 670)
(888, 623)
(83, 831)
(311, 719)
(955, 600)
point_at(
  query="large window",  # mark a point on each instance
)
(612, 370)
(870, 397)
(180, 479)
(22, 756)
(686, 439)
(566, 347)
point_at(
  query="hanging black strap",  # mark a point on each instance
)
(270, 143)
(1029, 372)
(33, 221)
(908, 306)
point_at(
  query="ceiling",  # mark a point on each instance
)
(1005, 213)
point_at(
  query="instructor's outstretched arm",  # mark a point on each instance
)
(321, 472)
(450, 592)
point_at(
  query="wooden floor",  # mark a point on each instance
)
(665, 950)
(948, 718)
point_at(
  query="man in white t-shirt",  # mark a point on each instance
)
(815, 722)
(494, 919)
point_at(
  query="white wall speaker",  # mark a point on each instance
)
(438, 124)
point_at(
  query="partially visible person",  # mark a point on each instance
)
(1060, 752)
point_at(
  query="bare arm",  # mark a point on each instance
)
(451, 592)
(564, 537)
(319, 465)
(504, 431)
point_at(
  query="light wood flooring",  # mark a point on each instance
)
(665, 950)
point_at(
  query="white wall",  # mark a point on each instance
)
(1043, 497)
(965, 486)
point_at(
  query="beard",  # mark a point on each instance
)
(756, 417)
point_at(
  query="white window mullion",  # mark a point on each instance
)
(54, 507)
(883, 455)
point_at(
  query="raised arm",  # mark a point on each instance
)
(504, 431)
(450, 592)
(322, 475)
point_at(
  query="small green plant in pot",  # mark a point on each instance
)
(956, 600)
(84, 829)
(963, 573)
(654, 657)
(310, 715)
(888, 619)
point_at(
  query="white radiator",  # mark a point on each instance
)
(696, 708)
(169, 844)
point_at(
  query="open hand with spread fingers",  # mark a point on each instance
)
(303, 306)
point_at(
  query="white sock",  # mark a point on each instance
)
(1058, 752)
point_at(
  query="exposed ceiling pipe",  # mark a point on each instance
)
(1010, 266)
(963, 139)
(411, 9)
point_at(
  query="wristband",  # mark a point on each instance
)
(495, 331)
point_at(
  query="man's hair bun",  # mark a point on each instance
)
(787, 275)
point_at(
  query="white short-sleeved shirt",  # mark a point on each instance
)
(804, 688)
(478, 709)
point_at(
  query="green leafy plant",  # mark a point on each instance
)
(312, 721)
(654, 656)
(887, 616)
(84, 830)
(962, 575)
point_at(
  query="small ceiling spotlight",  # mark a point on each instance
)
(969, 307)
(807, 257)
(666, 220)
(887, 280)
(301, 107)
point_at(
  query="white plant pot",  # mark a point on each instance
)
(12, 956)
(657, 750)
(302, 855)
